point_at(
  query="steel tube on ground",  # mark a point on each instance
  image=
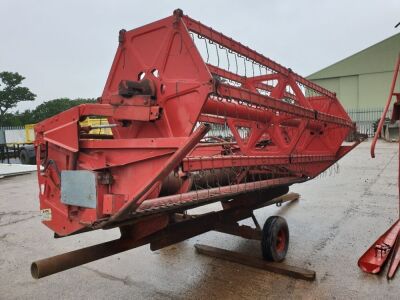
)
(51, 265)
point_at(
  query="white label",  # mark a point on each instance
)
(45, 214)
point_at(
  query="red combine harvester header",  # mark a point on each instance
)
(196, 117)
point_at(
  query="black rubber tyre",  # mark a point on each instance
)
(275, 239)
(25, 159)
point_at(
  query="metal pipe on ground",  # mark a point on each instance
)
(55, 264)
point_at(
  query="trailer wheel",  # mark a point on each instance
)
(275, 239)
(25, 158)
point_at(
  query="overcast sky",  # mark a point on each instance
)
(65, 48)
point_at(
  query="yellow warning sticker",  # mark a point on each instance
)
(45, 214)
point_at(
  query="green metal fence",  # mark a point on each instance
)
(366, 119)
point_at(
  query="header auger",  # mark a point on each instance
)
(196, 117)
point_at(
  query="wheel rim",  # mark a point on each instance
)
(280, 241)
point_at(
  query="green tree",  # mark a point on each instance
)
(11, 92)
(50, 108)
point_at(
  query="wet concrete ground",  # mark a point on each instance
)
(336, 220)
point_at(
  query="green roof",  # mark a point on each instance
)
(380, 57)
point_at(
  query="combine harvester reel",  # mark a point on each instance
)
(196, 118)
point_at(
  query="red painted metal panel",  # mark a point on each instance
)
(375, 257)
(267, 129)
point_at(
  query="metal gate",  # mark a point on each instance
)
(366, 119)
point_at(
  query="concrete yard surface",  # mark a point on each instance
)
(340, 214)
(15, 169)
